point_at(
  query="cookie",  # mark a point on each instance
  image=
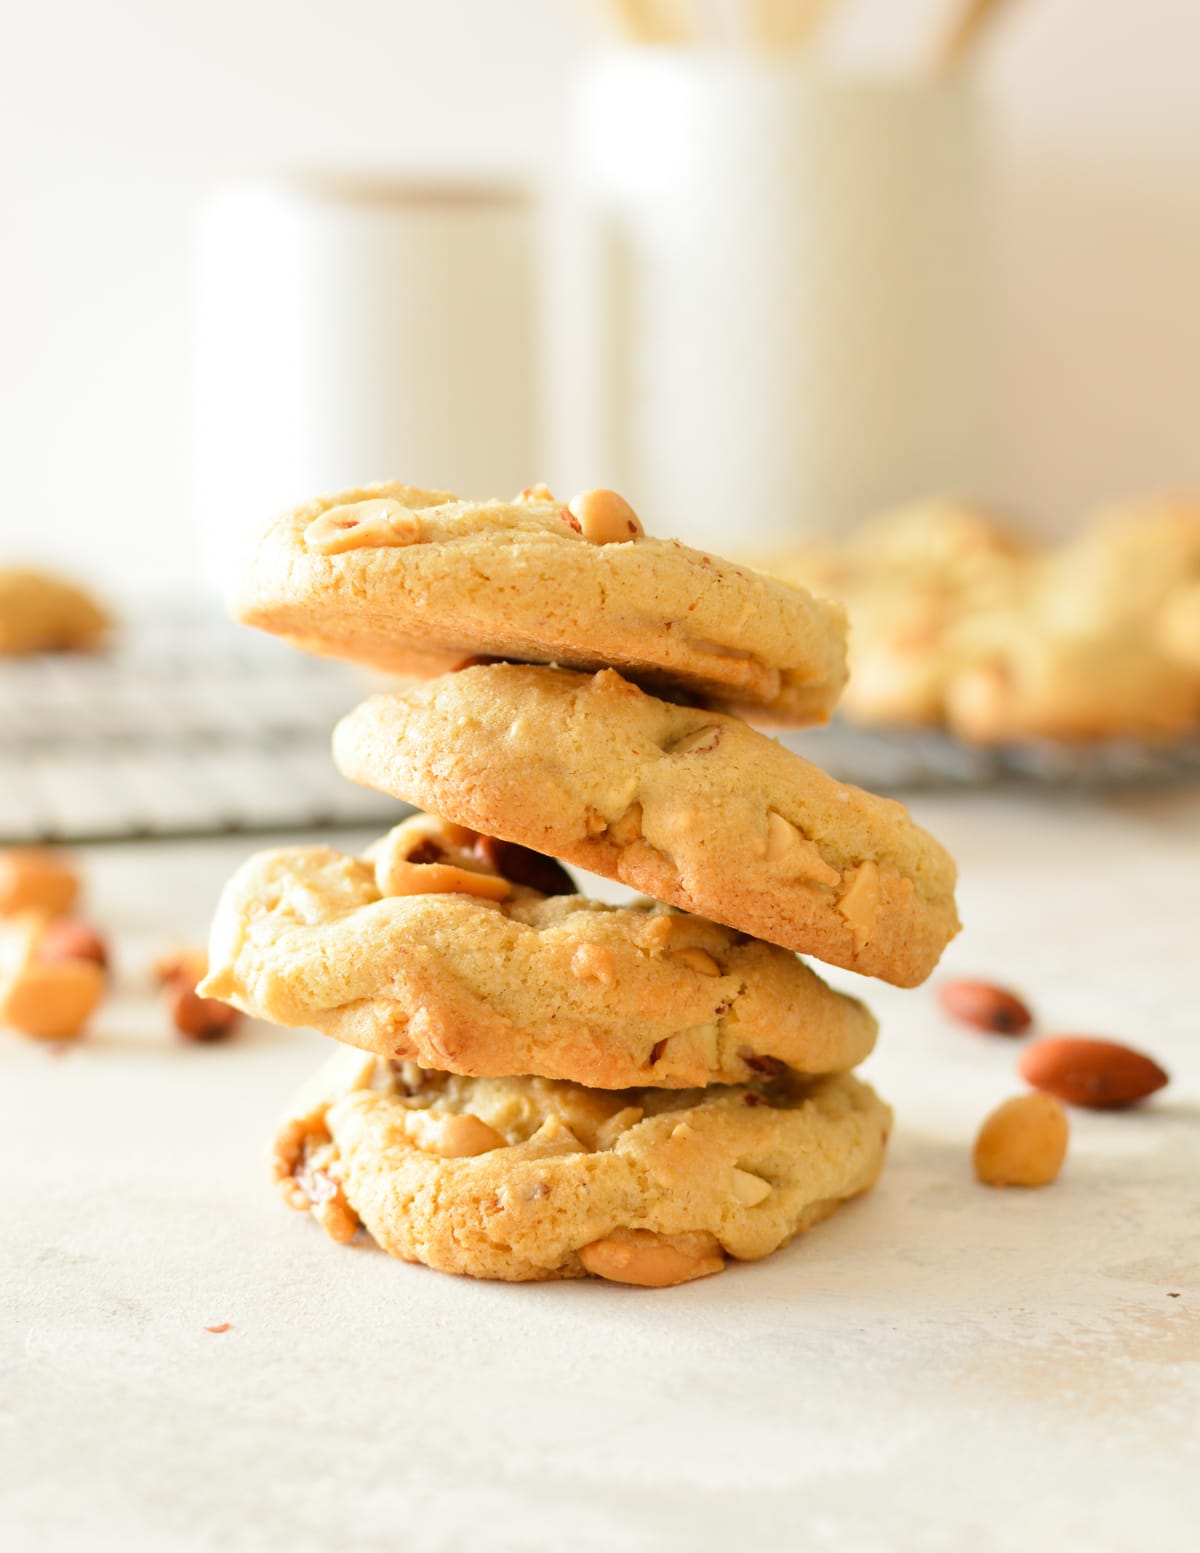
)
(527, 1179)
(43, 613)
(955, 623)
(415, 581)
(689, 806)
(527, 983)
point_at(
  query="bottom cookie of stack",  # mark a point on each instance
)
(524, 1179)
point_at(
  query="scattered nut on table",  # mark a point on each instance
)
(36, 879)
(985, 1006)
(1023, 1142)
(1084, 1071)
(50, 980)
(178, 971)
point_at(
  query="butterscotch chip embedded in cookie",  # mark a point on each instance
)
(689, 806)
(526, 1179)
(416, 581)
(518, 982)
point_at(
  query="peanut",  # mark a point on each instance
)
(604, 517)
(32, 878)
(394, 876)
(1023, 1142)
(749, 1189)
(654, 1261)
(450, 1136)
(52, 1002)
(698, 960)
(374, 524)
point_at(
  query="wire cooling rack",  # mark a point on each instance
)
(190, 725)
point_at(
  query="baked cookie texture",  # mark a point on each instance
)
(43, 613)
(556, 986)
(415, 581)
(689, 806)
(956, 622)
(526, 1179)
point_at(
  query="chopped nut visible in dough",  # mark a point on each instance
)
(377, 524)
(749, 1189)
(593, 962)
(628, 828)
(702, 741)
(451, 1136)
(605, 518)
(698, 960)
(397, 877)
(654, 1261)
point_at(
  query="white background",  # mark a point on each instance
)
(114, 118)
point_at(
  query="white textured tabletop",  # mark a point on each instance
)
(941, 1366)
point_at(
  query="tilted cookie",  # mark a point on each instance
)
(486, 978)
(43, 613)
(526, 1179)
(415, 581)
(691, 807)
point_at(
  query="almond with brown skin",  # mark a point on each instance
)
(985, 1006)
(1088, 1072)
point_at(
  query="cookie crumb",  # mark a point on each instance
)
(1173, 1294)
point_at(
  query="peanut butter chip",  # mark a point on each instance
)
(377, 524)
(794, 854)
(604, 518)
(859, 906)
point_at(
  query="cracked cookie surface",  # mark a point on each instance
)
(526, 1179)
(689, 806)
(556, 985)
(425, 580)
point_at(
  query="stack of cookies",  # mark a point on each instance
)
(534, 1084)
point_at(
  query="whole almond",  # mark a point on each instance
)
(1023, 1142)
(985, 1006)
(1088, 1072)
(70, 938)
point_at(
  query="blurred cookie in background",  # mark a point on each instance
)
(957, 622)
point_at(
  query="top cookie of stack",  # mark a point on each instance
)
(414, 581)
(681, 801)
